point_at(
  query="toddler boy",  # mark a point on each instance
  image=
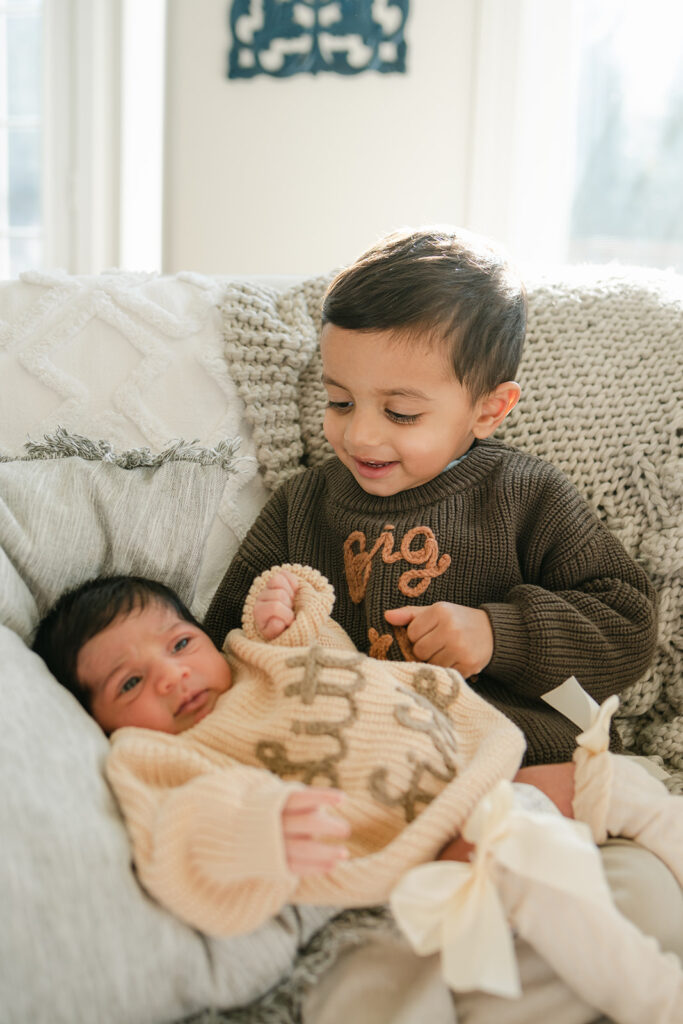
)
(209, 755)
(442, 544)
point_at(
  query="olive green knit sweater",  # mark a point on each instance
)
(503, 531)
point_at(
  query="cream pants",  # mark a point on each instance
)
(386, 983)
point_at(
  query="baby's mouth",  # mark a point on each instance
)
(193, 703)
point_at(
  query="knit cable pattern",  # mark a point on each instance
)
(602, 398)
(271, 341)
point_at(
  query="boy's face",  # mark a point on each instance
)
(396, 413)
(152, 669)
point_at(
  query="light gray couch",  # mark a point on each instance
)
(132, 363)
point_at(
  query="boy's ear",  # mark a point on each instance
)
(494, 407)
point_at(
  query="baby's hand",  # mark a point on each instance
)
(307, 824)
(274, 606)
(446, 634)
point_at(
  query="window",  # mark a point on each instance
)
(81, 133)
(628, 198)
(577, 138)
(21, 136)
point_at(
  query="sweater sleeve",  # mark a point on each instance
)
(207, 841)
(588, 609)
(313, 605)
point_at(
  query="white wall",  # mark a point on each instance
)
(299, 175)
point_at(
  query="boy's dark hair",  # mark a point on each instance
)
(453, 286)
(83, 612)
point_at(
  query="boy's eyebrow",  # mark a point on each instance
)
(405, 393)
(387, 392)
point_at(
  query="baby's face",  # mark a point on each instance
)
(152, 669)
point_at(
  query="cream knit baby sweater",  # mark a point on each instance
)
(413, 747)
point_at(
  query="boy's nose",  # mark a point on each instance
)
(363, 429)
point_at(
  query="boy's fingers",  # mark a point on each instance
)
(430, 646)
(401, 616)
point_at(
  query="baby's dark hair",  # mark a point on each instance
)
(82, 613)
(449, 286)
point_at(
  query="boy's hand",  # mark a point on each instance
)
(307, 824)
(274, 606)
(450, 635)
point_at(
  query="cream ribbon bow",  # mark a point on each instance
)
(456, 908)
(595, 739)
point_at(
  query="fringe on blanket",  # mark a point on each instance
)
(64, 445)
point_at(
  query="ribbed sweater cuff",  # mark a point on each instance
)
(249, 844)
(510, 642)
(312, 606)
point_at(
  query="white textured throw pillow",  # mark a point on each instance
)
(135, 358)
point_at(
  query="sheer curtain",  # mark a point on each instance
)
(81, 134)
(577, 151)
(21, 136)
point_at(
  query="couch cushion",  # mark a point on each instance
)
(73, 508)
(79, 940)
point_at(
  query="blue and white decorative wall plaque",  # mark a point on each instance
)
(290, 37)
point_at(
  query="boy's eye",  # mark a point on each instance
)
(130, 684)
(401, 417)
(339, 406)
(183, 642)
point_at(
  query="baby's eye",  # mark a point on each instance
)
(183, 642)
(339, 406)
(401, 417)
(130, 684)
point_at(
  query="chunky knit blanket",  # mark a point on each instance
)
(602, 398)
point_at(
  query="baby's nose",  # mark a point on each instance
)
(169, 677)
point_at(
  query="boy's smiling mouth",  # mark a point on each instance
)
(371, 468)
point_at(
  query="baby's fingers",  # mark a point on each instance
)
(273, 621)
(284, 581)
(307, 814)
(303, 800)
(308, 857)
(318, 824)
